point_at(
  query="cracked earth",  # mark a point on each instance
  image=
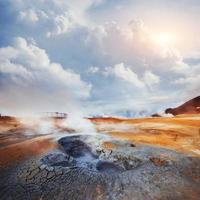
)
(104, 166)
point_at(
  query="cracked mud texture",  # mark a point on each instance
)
(81, 169)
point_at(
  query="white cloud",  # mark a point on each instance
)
(30, 81)
(150, 78)
(126, 74)
(65, 31)
(52, 19)
(62, 24)
(93, 70)
(29, 15)
(190, 81)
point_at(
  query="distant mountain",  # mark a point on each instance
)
(190, 107)
(131, 113)
(124, 113)
(156, 115)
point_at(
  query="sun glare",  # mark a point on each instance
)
(165, 39)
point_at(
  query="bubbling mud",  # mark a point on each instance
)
(86, 151)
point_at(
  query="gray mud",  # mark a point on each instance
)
(81, 169)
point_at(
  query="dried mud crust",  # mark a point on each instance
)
(90, 172)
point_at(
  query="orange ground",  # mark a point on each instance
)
(181, 133)
(15, 146)
(26, 149)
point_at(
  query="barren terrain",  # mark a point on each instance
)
(133, 159)
(180, 133)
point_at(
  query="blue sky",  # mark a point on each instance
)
(104, 56)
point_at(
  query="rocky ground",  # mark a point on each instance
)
(100, 166)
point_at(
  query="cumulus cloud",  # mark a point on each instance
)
(126, 74)
(151, 79)
(63, 31)
(62, 24)
(29, 16)
(190, 80)
(30, 81)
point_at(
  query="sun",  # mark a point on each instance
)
(165, 39)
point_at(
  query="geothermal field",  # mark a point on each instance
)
(99, 100)
(100, 158)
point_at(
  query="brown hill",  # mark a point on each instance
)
(190, 107)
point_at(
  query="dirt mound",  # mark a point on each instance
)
(190, 107)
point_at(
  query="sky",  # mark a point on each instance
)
(100, 56)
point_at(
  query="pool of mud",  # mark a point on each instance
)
(90, 167)
(88, 152)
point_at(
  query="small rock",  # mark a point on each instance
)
(158, 161)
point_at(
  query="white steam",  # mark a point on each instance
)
(37, 125)
(73, 124)
(77, 122)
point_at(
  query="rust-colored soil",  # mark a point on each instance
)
(15, 145)
(26, 149)
(181, 133)
(109, 145)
